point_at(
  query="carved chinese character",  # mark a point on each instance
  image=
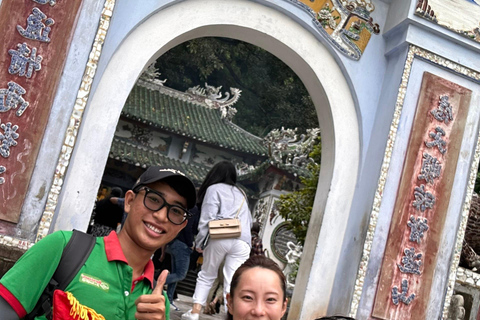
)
(423, 199)
(444, 111)
(22, 62)
(431, 168)
(36, 29)
(410, 262)
(437, 140)
(417, 228)
(11, 98)
(51, 2)
(7, 138)
(2, 170)
(402, 297)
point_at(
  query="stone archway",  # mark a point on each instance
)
(303, 53)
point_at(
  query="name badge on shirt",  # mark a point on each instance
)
(87, 279)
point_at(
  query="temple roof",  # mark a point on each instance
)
(132, 153)
(205, 116)
(124, 150)
(181, 113)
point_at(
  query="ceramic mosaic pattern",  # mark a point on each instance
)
(422, 200)
(75, 119)
(346, 24)
(460, 16)
(415, 52)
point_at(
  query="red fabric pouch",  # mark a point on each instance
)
(67, 307)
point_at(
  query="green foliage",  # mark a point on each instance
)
(296, 207)
(476, 188)
(272, 94)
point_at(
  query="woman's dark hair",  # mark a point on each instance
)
(255, 227)
(257, 261)
(222, 172)
(116, 192)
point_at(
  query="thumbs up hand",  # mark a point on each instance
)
(152, 306)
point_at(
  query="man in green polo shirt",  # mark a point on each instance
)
(116, 281)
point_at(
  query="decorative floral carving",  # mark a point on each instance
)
(346, 24)
(261, 210)
(354, 4)
(293, 258)
(286, 147)
(326, 17)
(244, 168)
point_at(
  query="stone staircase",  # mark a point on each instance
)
(186, 287)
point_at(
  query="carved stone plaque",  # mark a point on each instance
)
(422, 201)
(34, 43)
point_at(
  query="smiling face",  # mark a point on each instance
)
(258, 295)
(149, 230)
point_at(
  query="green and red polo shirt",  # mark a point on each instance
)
(104, 283)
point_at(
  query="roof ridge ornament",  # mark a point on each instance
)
(151, 75)
(214, 99)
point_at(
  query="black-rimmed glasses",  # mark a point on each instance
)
(155, 201)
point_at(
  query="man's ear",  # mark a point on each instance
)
(129, 197)
(184, 224)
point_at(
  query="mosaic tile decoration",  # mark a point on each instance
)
(415, 52)
(447, 13)
(345, 24)
(75, 119)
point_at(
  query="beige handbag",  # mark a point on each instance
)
(226, 228)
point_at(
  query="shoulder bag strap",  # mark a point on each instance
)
(243, 200)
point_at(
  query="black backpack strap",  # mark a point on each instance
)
(73, 258)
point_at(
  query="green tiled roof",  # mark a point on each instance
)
(140, 156)
(132, 153)
(171, 111)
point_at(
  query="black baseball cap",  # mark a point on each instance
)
(173, 177)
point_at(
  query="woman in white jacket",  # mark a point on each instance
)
(220, 198)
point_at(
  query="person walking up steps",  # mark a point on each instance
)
(220, 198)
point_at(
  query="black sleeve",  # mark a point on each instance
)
(188, 233)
